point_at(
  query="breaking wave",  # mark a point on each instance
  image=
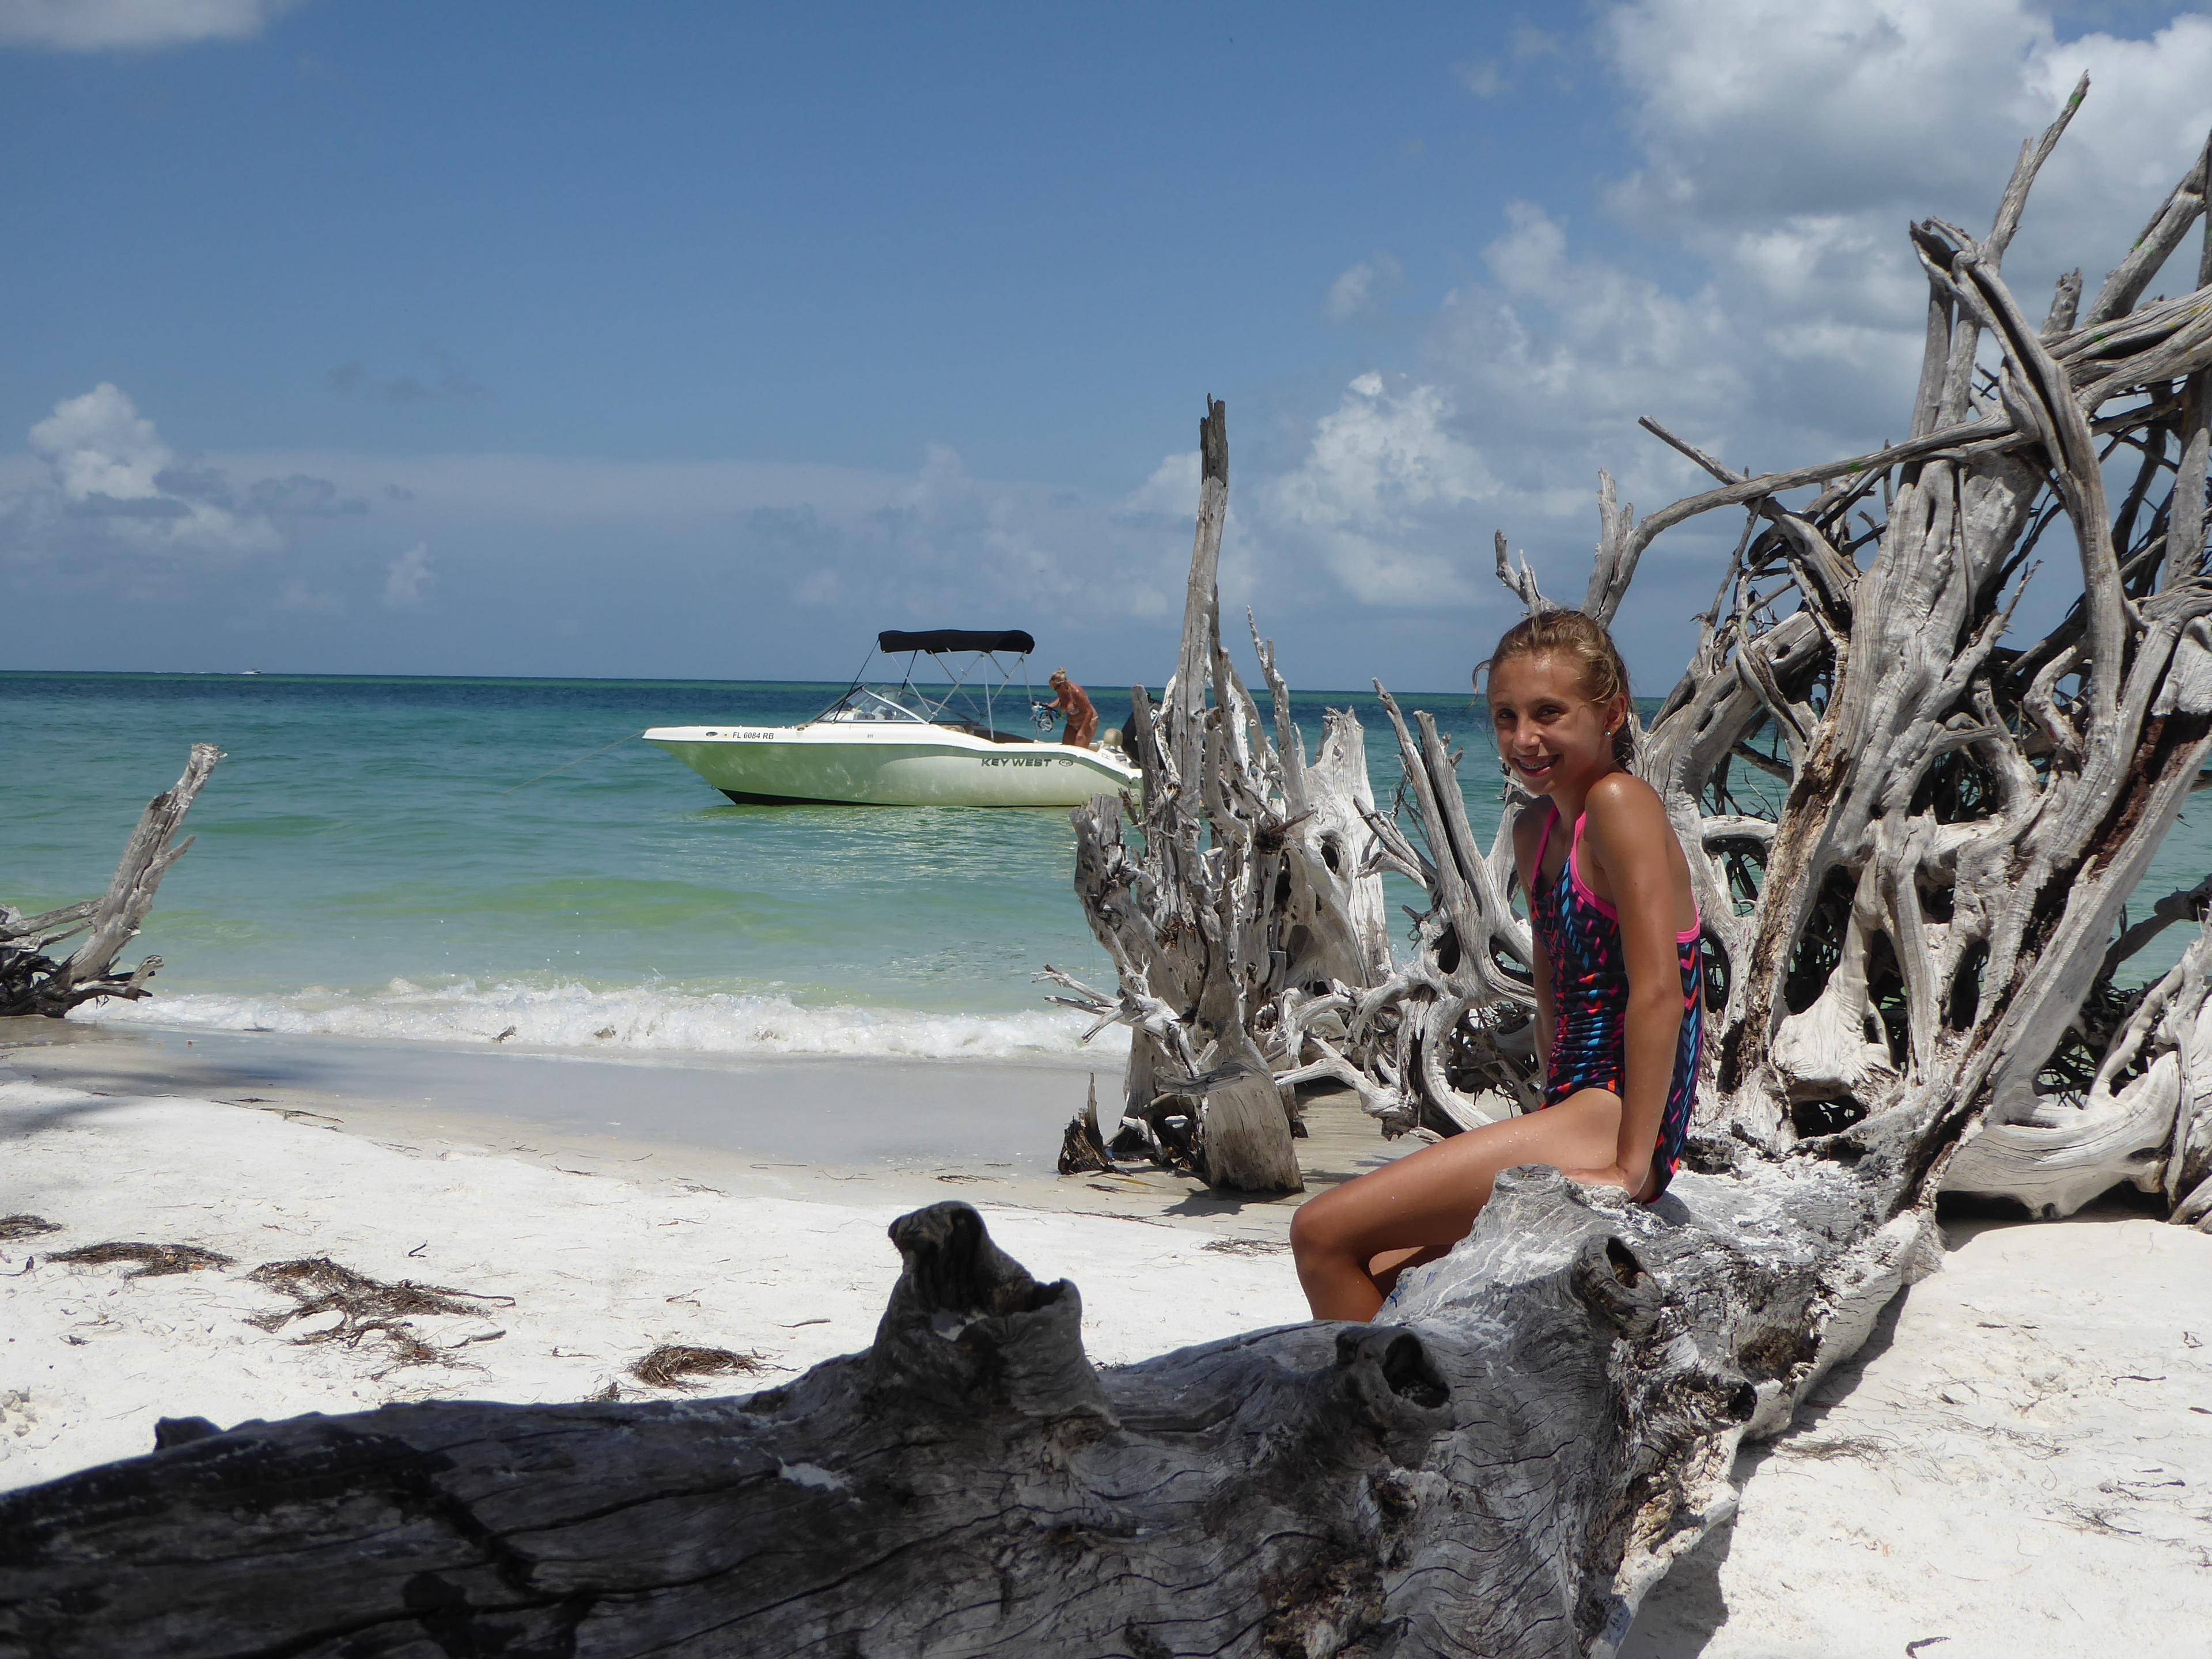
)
(656, 1019)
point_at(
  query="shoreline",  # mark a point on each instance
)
(846, 1114)
(2019, 1462)
(641, 1023)
(784, 1125)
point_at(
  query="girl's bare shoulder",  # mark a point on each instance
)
(1623, 798)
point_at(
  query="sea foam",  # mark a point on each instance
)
(658, 1019)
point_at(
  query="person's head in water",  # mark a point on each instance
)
(1559, 700)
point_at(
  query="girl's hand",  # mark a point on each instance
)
(1611, 1174)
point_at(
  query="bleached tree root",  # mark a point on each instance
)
(1246, 888)
(1501, 1466)
(1912, 832)
(2146, 1119)
(33, 982)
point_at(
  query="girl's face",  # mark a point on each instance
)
(1549, 732)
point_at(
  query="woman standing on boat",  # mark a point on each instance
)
(1082, 717)
(1617, 974)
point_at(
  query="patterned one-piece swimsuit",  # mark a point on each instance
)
(1581, 934)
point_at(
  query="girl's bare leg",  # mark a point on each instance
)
(1351, 1242)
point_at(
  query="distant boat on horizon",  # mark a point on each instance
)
(885, 745)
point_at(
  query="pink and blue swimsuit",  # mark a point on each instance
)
(1581, 935)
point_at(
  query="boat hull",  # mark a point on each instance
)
(860, 764)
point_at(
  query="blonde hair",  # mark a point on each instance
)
(1575, 635)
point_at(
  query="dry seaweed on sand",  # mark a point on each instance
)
(365, 1306)
(154, 1261)
(26, 1226)
(1246, 1246)
(667, 1366)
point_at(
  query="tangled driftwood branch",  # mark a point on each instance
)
(33, 982)
(1248, 897)
(1911, 833)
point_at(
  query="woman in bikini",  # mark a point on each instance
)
(1617, 980)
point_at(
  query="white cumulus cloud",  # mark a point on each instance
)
(113, 477)
(1382, 473)
(100, 446)
(1795, 138)
(1772, 312)
(1556, 348)
(406, 577)
(106, 25)
(1172, 490)
(1358, 290)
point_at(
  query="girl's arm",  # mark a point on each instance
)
(1526, 828)
(1642, 863)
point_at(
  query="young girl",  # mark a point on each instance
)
(1618, 982)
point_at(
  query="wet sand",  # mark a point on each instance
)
(783, 1125)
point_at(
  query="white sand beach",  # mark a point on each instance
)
(2020, 1462)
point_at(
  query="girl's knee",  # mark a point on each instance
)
(1309, 1231)
(1317, 1230)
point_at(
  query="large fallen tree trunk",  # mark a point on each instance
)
(1913, 932)
(1503, 1470)
(33, 982)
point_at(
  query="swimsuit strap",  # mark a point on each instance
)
(1605, 908)
(1582, 890)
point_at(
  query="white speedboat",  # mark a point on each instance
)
(905, 745)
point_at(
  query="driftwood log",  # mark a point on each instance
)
(33, 982)
(1913, 837)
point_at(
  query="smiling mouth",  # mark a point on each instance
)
(1536, 768)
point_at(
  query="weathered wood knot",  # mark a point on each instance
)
(1398, 1358)
(968, 1326)
(181, 1431)
(1608, 1278)
(1391, 1386)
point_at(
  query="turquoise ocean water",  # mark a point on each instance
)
(373, 859)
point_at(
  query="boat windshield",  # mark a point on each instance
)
(969, 700)
(863, 703)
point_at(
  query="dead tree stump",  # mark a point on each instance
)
(33, 982)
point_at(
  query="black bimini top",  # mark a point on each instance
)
(955, 639)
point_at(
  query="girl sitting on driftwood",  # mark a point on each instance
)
(1617, 979)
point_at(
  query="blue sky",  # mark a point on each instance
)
(698, 341)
